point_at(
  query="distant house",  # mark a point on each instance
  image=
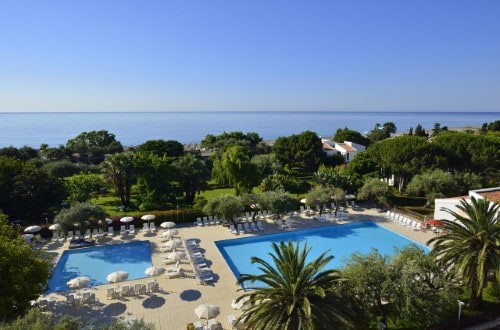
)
(347, 149)
(491, 194)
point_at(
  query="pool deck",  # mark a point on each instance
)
(173, 306)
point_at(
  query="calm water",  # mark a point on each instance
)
(133, 128)
(340, 240)
(100, 261)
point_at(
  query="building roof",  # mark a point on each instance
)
(492, 195)
(346, 147)
(326, 146)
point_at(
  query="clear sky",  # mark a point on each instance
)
(167, 55)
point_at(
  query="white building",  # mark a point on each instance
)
(491, 194)
(347, 149)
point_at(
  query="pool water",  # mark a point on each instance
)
(340, 240)
(100, 261)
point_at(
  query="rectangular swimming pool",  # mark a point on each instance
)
(99, 261)
(341, 240)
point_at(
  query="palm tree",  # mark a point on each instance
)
(470, 245)
(118, 169)
(293, 294)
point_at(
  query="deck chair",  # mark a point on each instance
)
(152, 287)
(260, 226)
(232, 229)
(152, 227)
(145, 227)
(111, 293)
(123, 230)
(240, 228)
(131, 230)
(87, 234)
(111, 232)
(140, 289)
(55, 237)
(199, 222)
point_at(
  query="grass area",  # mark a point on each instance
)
(209, 194)
(111, 205)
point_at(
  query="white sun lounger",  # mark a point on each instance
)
(260, 226)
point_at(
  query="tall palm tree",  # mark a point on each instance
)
(118, 169)
(293, 294)
(470, 245)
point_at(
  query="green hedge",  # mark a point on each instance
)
(407, 201)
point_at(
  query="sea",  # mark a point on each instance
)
(32, 129)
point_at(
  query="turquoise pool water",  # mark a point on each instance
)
(99, 261)
(341, 240)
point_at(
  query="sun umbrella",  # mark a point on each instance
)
(148, 217)
(303, 201)
(176, 255)
(154, 271)
(78, 282)
(117, 276)
(172, 244)
(434, 222)
(350, 196)
(32, 229)
(206, 311)
(168, 224)
(55, 226)
(126, 220)
(170, 233)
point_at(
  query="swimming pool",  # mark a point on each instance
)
(341, 240)
(97, 262)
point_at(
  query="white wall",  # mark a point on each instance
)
(449, 203)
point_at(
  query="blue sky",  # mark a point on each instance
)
(120, 55)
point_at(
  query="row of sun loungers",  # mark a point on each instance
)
(132, 290)
(329, 217)
(207, 221)
(148, 227)
(76, 299)
(202, 272)
(246, 227)
(404, 220)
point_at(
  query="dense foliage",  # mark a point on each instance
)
(470, 246)
(291, 293)
(25, 272)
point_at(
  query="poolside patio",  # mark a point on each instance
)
(172, 307)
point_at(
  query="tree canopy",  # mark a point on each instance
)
(25, 272)
(470, 245)
(92, 146)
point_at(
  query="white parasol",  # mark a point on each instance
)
(78, 282)
(176, 255)
(170, 233)
(127, 219)
(170, 245)
(32, 229)
(168, 224)
(206, 311)
(55, 226)
(154, 271)
(118, 276)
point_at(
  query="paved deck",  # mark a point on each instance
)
(173, 306)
